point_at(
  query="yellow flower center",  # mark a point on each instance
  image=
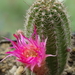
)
(30, 53)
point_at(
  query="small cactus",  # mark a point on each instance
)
(51, 21)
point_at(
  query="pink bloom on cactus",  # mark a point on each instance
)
(30, 51)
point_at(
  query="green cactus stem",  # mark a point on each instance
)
(52, 22)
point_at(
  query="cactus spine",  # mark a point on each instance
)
(51, 21)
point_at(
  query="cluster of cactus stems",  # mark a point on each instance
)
(52, 22)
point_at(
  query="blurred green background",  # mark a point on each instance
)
(12, 14)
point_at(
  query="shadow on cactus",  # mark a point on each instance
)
(51, 20)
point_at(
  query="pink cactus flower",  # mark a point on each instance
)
(30, 51)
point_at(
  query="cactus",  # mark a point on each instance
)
(52, 22)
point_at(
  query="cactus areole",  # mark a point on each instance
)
(51, 21)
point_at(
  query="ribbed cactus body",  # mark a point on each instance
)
(51, 22)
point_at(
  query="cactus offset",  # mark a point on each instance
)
(52, 22)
